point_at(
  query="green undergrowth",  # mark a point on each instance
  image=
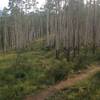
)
(86, 90)
(29, 70)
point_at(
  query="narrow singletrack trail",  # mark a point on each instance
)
(65, 83)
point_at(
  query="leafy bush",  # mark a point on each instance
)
(97, 56)
(57, 72)
(19, 79)
(81, 62)
(95, 82)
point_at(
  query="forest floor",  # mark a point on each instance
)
(72, 80)
(34, 73)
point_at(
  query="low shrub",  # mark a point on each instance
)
(18, 80)
(58, 72)
(81, 62)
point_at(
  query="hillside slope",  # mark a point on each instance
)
(35, 68)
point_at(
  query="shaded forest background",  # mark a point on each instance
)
(67, 25)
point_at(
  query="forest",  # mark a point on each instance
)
(50, 52)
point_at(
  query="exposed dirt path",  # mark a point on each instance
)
(64, 84)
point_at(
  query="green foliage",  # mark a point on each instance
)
(97, 56)
(34, 69)
(58, 72)
(81, 62)
(19, 79)
(88, 91)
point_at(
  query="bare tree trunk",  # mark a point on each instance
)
(94, 30)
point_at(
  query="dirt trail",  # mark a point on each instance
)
(64, 84)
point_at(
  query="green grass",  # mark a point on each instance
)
(86, 90)
(24, 73)
(32, 69)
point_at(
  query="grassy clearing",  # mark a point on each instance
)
(35, 68)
